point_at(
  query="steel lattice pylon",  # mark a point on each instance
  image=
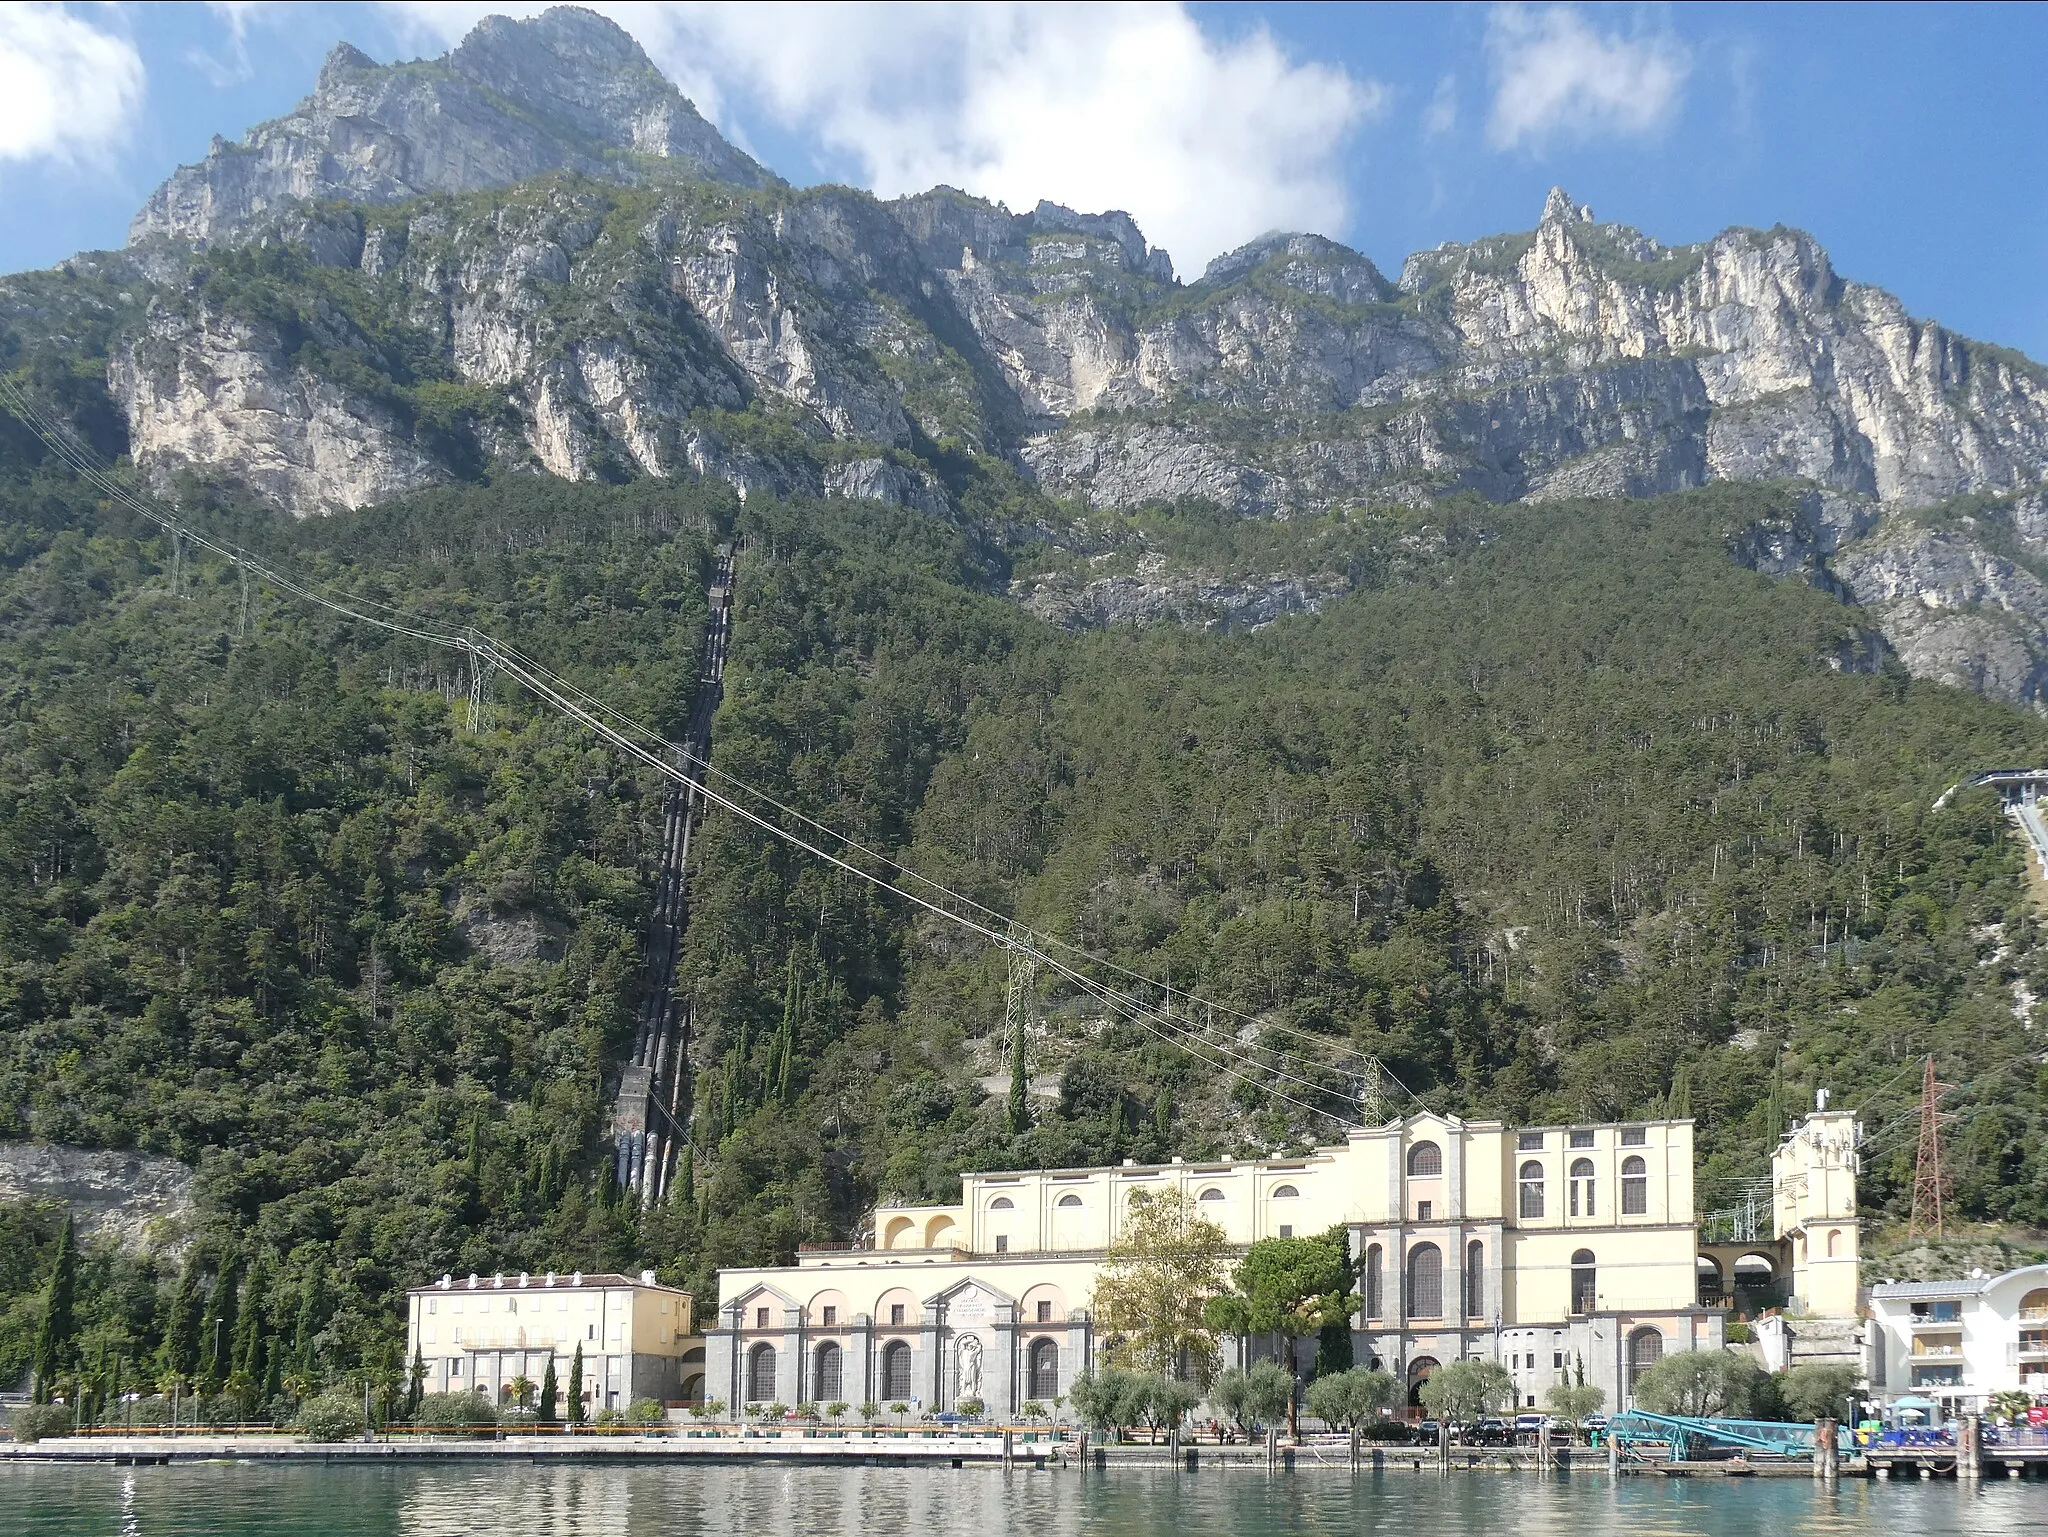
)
(1927, 1180)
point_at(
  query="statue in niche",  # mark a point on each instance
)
(968, 1367)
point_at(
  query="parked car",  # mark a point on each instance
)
(1529, 1426)
(1429, 1433)
(1489, 1431)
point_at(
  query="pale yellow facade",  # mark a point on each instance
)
(479, 1333)
(1547, 1247)
(1813, 1195)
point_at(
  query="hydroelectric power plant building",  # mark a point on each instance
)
(1544, 1248)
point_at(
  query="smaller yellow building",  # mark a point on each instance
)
(638, 1338)
(1813, 1197)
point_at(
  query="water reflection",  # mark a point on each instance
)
(519, 1501)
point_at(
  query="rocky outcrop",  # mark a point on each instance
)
(1154, 594)
(136, 1199)
(563, 91)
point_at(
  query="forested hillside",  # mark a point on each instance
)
(1568, 816)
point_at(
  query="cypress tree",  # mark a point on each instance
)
(686, 1177)
(1116, 1126)
(181, 1329)
(1681, 1095)
(1162, 1114)
(416, 1383)
(59, 1326)
(550, 1392)
(250, 1355)
(217, 1339)
(312, 1317)
(576, 1386)
(1020, 1102)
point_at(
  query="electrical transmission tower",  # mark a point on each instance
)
(1927, 1181)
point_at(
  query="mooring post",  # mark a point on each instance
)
(1970, 1462)
(1354, 1448)
(1443, 1446)
(1827, 1452)
(1009, 1449)
(1272, 1451)
(1613, 1456)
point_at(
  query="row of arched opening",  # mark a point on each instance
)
(1423, 1277)
(1581, 1189)
(893, 1374)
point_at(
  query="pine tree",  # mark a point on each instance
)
(576, 1386)
(181, 1329)
(550, 1391)
(59, 1326)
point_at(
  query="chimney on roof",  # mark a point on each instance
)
(577, 1279)
(551, 1278)
(498, 1279)
(522, 1278)
(446, 1282)
(472, 1280)
(646, 1278)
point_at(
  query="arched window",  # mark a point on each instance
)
(1045, 1370)
(830, 1374)
(1531, 1182)
(895, 1372)
(2034, 1304)
(1425, 1281)
(1584, 1292)
(1425, 1161)
(1285, 1193)
(1211, 1194)
(1070, 1200)
(1635, 1187)
(1645, 1350)
(1834, 1243)
(1374, 1297)
(1582, 1187)
(1475, 1279)
(761, 1374)
(1420, 1370)
(1002, 1203)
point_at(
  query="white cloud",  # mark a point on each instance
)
(234, 17)
(1556, 75)
(1441, 115)
(1206, 142)
(68, 91)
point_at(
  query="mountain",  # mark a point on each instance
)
(564, 91)
(1531, 670)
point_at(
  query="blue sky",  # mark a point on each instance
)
(1908, 139)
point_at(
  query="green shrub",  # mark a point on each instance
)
(455, 1411)
(336, 1415)
(32, 1422)
(645, 1411)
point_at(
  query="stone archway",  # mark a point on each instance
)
(1420, 1370)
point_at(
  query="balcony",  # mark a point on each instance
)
(1924, 1351)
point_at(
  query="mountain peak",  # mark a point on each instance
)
(1558, 208)
(564, 90)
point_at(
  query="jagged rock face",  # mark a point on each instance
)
(205, 388)
(566, 90)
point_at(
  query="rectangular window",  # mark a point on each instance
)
(895, 1312)
(432, 1305)
(1557, 1360)
(831, 1316)
(1286, 1230)
(454, 1368)
(1422, 1209)
(1002, 1243)
(1582, 1139)
(760, 1318)
(1635, 1136)
(1530, 1142)
(1045, 1312)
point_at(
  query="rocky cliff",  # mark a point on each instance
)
(566, 90)
(533, 254)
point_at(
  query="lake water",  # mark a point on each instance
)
(230, 1501)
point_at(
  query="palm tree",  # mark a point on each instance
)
(521, 1389)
